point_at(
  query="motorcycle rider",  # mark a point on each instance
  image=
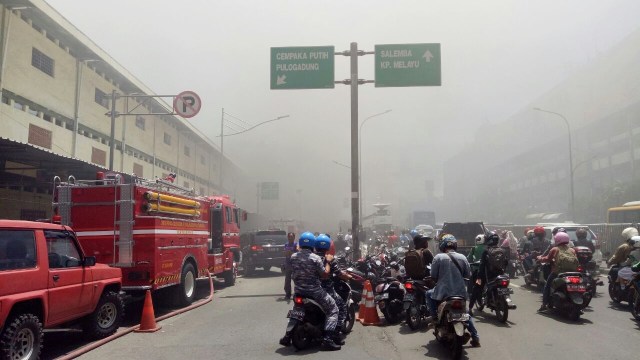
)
(308, 269)
(450, 280)
(323, 248)
(562, 241)
(404, 238)
(486, 271)
(623, 251)
(582, 240)
(525, 245)
(538, 244)
(289, 248)
(422, 242)
(477, 250)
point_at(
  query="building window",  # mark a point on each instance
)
(167, 139)
(202, 160)
(140, 122)
(98, 156)
(42, 62)
(138, 170)
(101, 98)
(187, 151)
(40, 137)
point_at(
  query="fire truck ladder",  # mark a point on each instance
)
(124, 224)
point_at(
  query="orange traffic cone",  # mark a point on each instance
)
(362, 302)
(148, 321)
(370, 310)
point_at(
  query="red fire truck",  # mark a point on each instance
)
(160, 235)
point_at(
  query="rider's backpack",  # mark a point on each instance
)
(565, 260)
(497, 260)
(414, 264)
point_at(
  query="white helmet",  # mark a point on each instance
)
(480, 239)
(629, 232)
(635, 241)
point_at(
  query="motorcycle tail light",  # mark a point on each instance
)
(574, 279)
(457, 305)
(408, 286)
(298, 300)
(504, 282)
(256, 248)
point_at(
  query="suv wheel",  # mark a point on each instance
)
(106, 318)
(22, 338)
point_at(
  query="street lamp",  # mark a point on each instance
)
(573, 204)
(222, 135)
(360, 160)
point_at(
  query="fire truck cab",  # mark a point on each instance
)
(160, 235)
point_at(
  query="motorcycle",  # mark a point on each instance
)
(496, 296)
(538, 275)
(389, 295)
(414, 304)
(588, 267)
(306, 322)
(635, 295)
(569, 294)
(451, 324)
(618, 288)
(306, 319)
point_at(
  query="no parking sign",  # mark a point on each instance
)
(187, 104)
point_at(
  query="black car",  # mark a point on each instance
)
(265, 249)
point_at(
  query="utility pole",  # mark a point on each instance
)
(221, 150)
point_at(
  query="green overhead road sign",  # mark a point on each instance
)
(408, 65)
(310, 67)
(269, 190)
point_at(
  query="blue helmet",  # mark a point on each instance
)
(448, 241)
(323, 242)
(413, 233)
(307, 240)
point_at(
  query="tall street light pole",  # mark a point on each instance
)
(573, 204)
(360, 159)
(222, 136)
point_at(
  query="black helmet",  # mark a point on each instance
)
(420, 241)
(492, 239)
(581, 233)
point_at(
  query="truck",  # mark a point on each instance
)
(48, 281)
(422, 217)
(161, 235)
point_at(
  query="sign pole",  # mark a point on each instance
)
(355, 191)
(112, 135)
(221, 149)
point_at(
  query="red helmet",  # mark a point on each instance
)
(538, 230)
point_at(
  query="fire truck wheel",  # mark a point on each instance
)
(21, 338)
(186, 290)
(106, 318)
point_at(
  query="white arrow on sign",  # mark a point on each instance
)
(427, 56)
(281, 80)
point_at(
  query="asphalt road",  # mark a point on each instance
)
(245, 322)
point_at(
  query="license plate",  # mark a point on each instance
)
(382, 296)
(297, 314)
(505, 291)
(273, 249)
(408, 297)
(576, 287)
(459, 316)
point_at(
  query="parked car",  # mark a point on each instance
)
(47, 281)
(265, 250)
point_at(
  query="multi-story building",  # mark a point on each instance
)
(520, 166)
(57, 88)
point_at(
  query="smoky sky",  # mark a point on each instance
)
(497, 57)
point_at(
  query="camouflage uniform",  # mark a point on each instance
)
(307, 269)
(327, 285)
